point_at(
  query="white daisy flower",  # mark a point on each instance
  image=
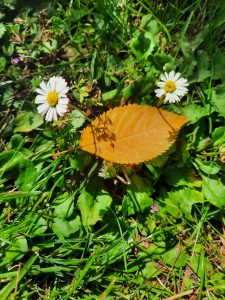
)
(52, 98)
(172, 87)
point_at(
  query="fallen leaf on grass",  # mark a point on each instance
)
(132, 134)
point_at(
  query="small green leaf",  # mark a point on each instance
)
(93, 207)
(182, 201)
(218, 95)
(145, 42)
(218, 136)
(16, 250)
(150, 270)
(195, 264)
(77, 119)
(208, 167)
(138, 196)
(2, 63)
(17, 141)
(218, 64)
(194, 112)
(109, 95)
(63, 228)
(214, 191)
(40, 227)
(2, 29)
(27, 121)
(188, 61)
(64, 206)
(179, 176)
(27, 175)
(176, 256)
(203, 66)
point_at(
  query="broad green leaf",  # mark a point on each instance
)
(17, 141)
(63, 228)
(40, 227)
(214, 191)
(176, 176)
(77, 119)
(218, 96)
(218, 136)
(64, 206)
(138, 196)
(150, 270)
(195, 264)
(81, 160)
(166, 61)
(16, 250)
(2, 63)
(194, 112)
(188, 61)
(115, 93)
(110, 95)
(181, 202)
(219, 64)
(177, 256)
(208, 167)
(203, 65)
(27, 121)
(27, 175)
(2, 29)
(9, 160)
(145, 42)
(93, 206)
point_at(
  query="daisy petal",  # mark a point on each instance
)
(176, 76)
(63, 92)
(40, 99)
(166, 75)
(49, 115)
(51, 83)
(61, 86)
(171, 75)
(182, 81)
(159, 92)
(40, 91)
(176, 98)
(43, 108)
(63, 101)
(54, 114)
(163, 77)
(160, 84)
(44, 87)
(61, 109)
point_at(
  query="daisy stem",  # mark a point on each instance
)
(160, 101)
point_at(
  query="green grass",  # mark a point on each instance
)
(67, 233)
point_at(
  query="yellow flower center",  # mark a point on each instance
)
(52, 98)
(170, 86)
